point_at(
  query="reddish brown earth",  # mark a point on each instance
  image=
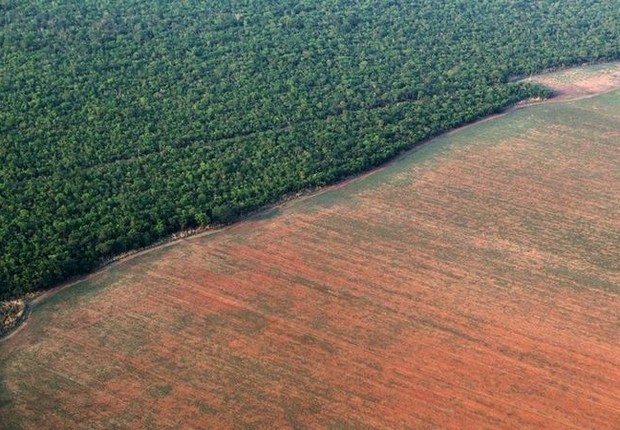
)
(582, 81)
(473, 284)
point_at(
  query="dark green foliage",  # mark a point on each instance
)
(122, 121)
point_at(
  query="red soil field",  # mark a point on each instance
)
(474, 283)
(582, 81)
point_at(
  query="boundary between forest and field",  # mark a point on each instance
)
(24, 309)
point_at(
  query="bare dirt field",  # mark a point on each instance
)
(581, 81)
(474, 283)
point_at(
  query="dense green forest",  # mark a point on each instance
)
(122, 121)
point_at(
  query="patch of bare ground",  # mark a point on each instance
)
(472, 284)
(581, 81)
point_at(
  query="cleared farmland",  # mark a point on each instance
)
(581, 82)
(473, 283)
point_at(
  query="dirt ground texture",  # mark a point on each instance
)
(581, 81)
(474, 283)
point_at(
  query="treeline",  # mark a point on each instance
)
(123, 121)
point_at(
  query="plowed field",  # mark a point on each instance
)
(474, 283)
(581, 81)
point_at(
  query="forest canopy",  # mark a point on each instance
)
(123, 121)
